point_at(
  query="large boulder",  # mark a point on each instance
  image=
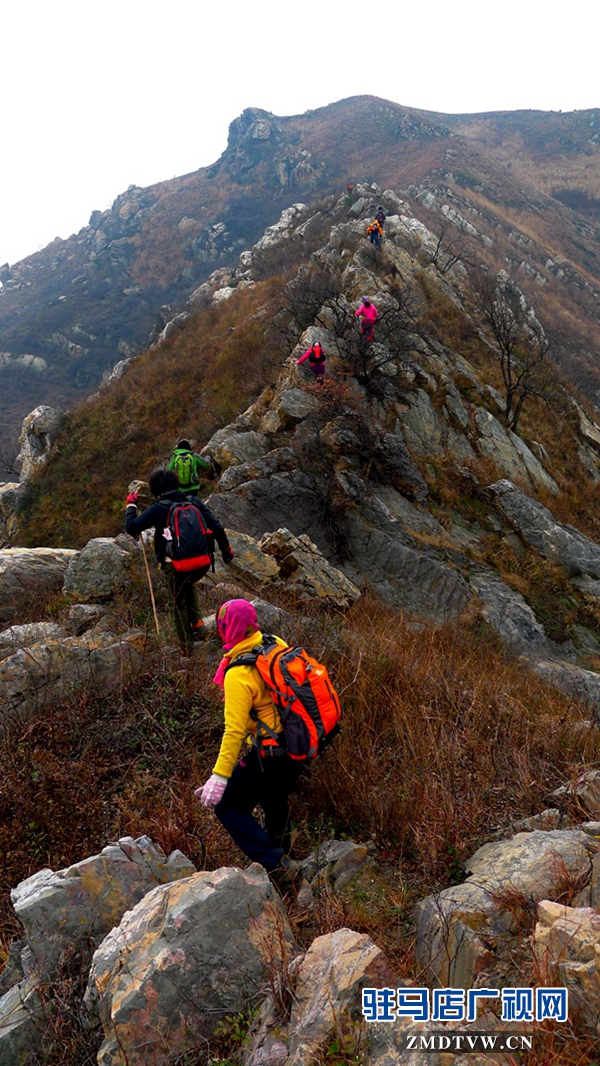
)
(38, 433)
(76, 907)
(183, 958)
(98, 571)
(30, 572)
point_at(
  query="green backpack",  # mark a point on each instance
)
(185, 467)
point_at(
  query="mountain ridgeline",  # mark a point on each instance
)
(528, 182)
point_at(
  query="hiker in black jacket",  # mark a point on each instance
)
(164, 485)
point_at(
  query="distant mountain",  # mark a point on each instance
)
(527, 182)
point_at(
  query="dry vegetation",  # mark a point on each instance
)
(445, 738)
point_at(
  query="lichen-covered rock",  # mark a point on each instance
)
(566, 943)
(76, 907)
(506, 610)
(327, 994)
(185, 956)
(529, 865)
(230, 446)
(250, 560)
(99, 571)
(27, 571)
(24, 636)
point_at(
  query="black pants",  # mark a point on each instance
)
(268, 783)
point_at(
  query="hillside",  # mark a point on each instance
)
(527, 181)
(425, 520)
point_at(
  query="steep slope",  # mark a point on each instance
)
(68, 313)
(401, 467)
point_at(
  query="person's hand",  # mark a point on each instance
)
(132, 498)
(227, 554)
(212, 792)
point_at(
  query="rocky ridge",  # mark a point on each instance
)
(412, 410)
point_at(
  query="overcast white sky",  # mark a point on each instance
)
(97, 95)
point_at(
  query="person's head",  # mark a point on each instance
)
(161, 481)
(236, 619)
(366, 301)
(317, 344)
(184, 443)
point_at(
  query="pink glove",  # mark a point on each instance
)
(212, 792)
(131, 498)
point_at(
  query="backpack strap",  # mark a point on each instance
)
(263, 731)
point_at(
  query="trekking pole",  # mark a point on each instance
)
(150, 586)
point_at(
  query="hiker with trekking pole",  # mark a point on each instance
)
(281, 701)
(184, 535)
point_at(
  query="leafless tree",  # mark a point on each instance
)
(522, 347)
(454, 245)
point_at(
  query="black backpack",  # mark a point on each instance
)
(190, 543)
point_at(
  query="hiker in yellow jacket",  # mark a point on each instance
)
(265, 774)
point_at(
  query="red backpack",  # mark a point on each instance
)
(303, 694)
(190, 544)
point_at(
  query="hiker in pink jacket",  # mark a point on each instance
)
(368, 314)
(316, 359)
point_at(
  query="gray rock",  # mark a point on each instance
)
(306, 571)
(450, 925)
(38, 433)
(16, 637)
(43, 673)
(509, 614)
(564, 545)
(403, 577)
(29, 571)
(76, 907)
(186, 955)
(421, 425)
(11, 497)
(83, 616)
(23, 1018)
(581, 685)
(99, 571)
(510, 453)
(398, 467)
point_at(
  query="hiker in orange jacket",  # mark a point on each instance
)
(375, 232)
(368, 314)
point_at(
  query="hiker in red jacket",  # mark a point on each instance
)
(368, 314)
(316, 359)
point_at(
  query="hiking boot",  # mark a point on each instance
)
(287, 876)
(199, 631)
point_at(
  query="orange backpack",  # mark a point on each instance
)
(304, 696)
